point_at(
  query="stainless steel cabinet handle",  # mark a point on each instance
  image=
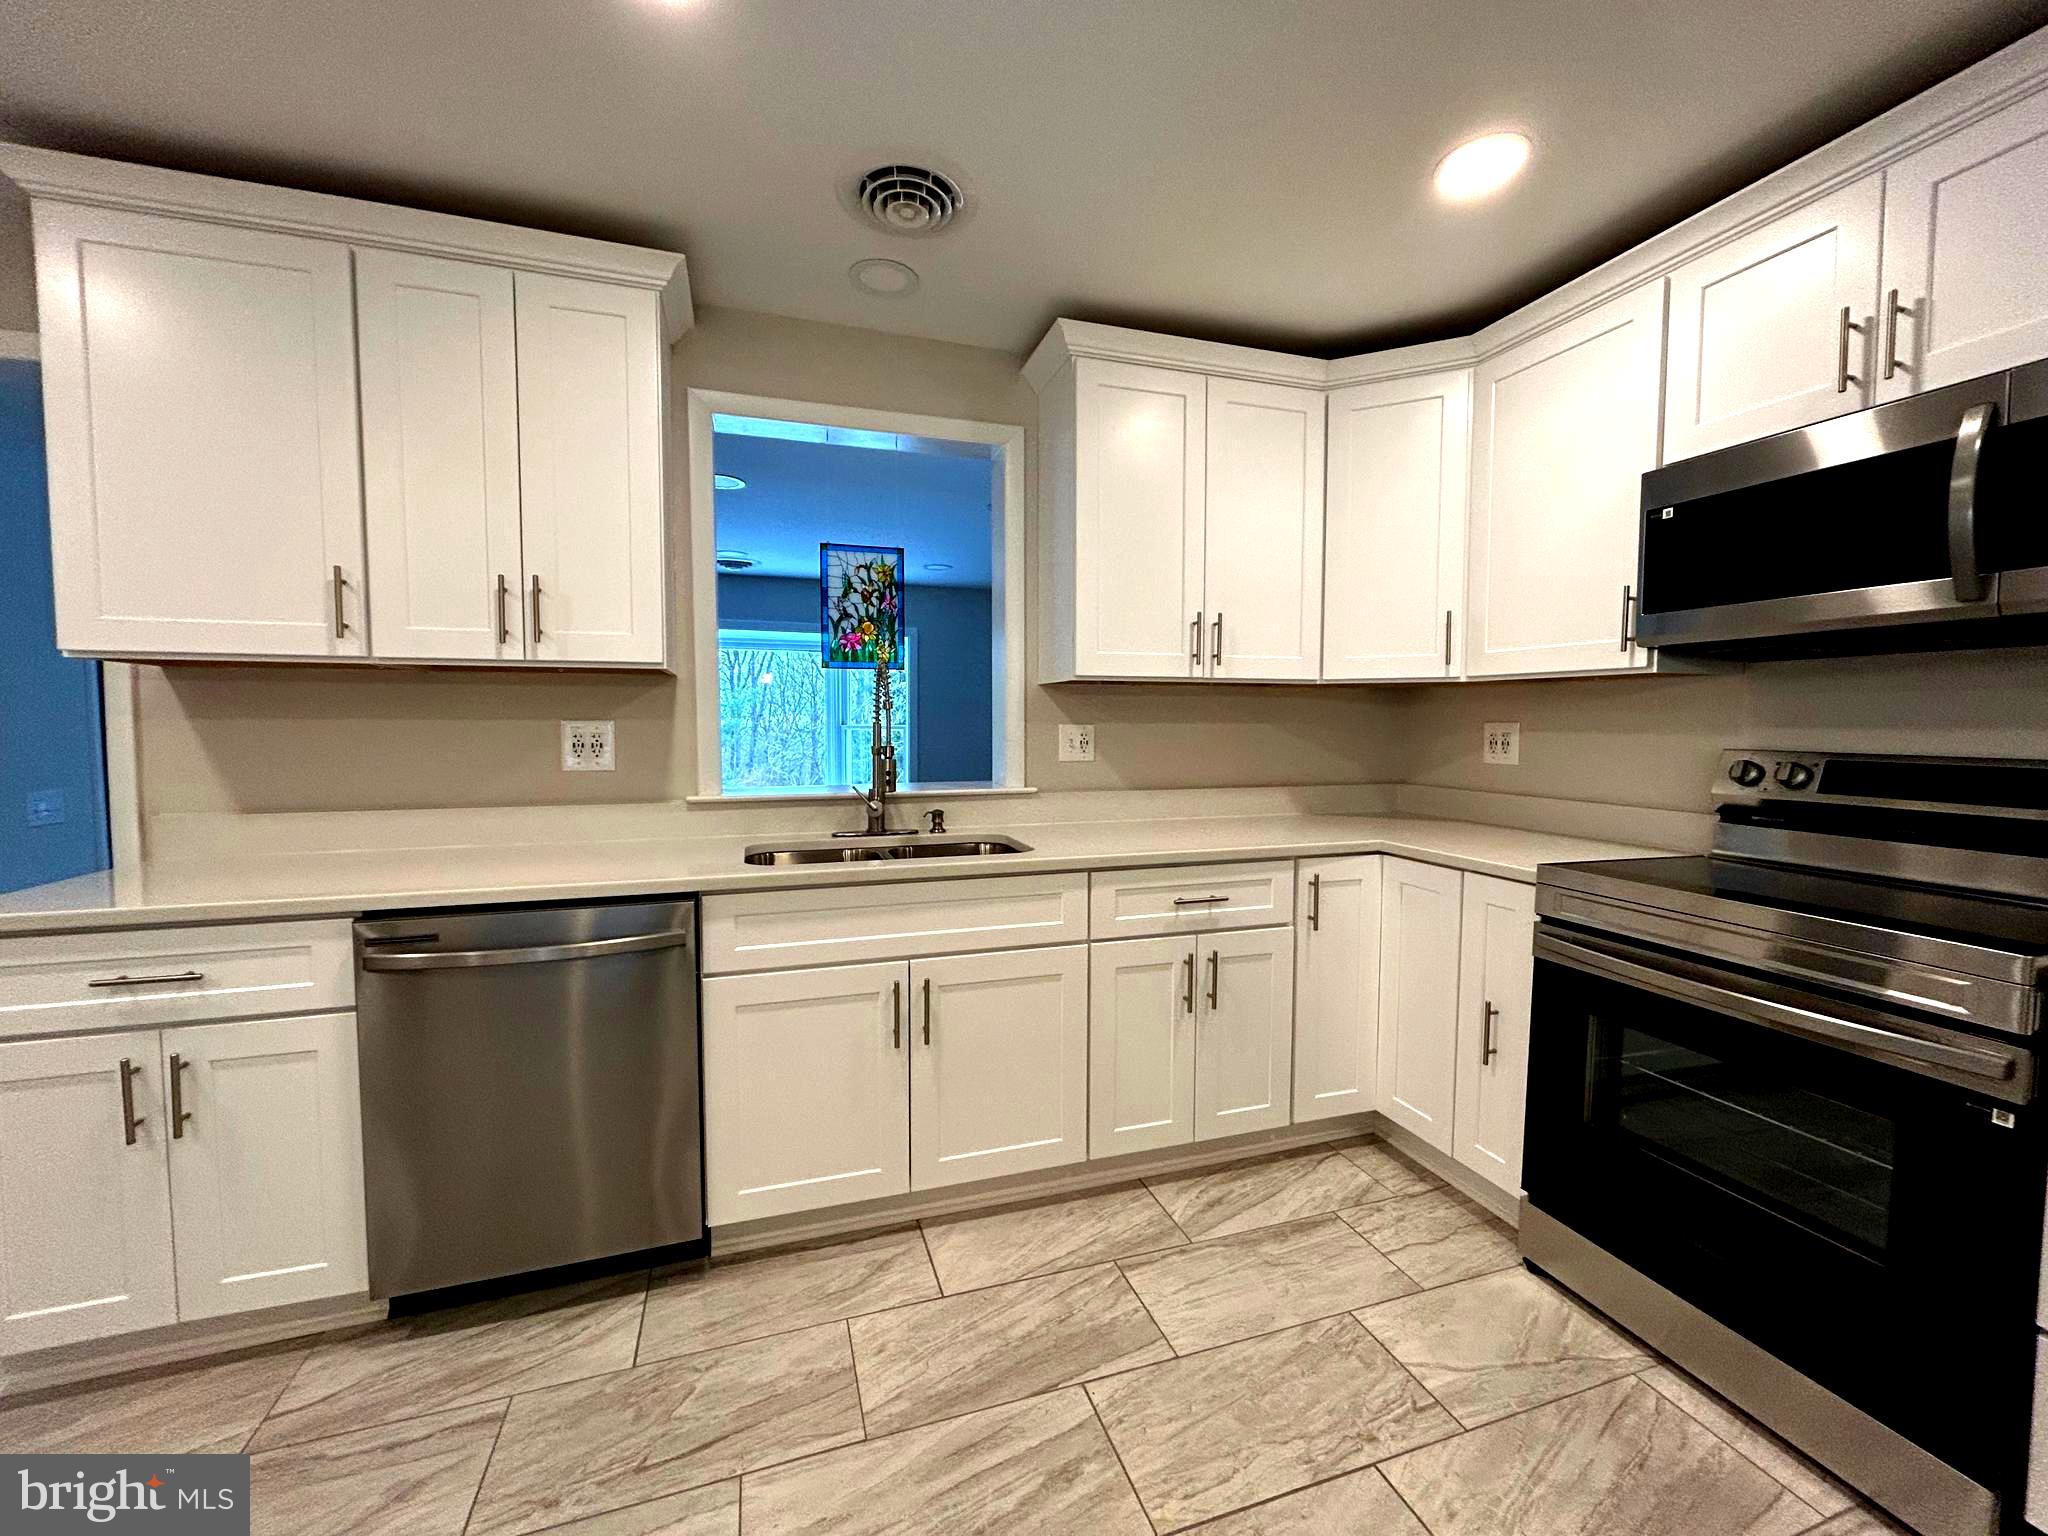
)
(1628, 604)
(1215, 976)
(1187, 995)
(340, 619)
(179, 1113)
(1447, 638)
(1843, 377)
(1198, 901)
(1216, 641)
(896, 1014)
(125, 980)
(1487, 1049)
(927, 1010)
(1978, 421)
(1315, 903)
(504, 624)
(1195, 639)
(536, 610)
(130, 1121)
(1892, 306)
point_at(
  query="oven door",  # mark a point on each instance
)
(1853, 1192)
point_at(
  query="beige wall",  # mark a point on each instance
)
(300, 738)
(17, 261)
(1652, 741)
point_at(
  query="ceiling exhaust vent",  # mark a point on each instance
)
(734, 560)
(909, 200)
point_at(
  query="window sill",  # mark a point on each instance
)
(843, 796)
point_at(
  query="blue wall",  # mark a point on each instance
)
(53, 792)
(952, 717)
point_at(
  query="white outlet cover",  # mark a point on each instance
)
(1077, 743)
(587, 746)
(1502, 742)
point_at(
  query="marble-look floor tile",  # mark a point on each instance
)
(1861, 1521)
(1026, 1240)
(590, 1446)
(472, 1354)
(749, 1298)
(200, 1408)
(941, 1358)
(1393, 1171)
(709, 1511)
(1233, 1287)
(417, 1477)
(1042, 1466)
(1490, 1347)
(1229, 1427)
(1616, 1458)
(1264, 1193)
(1437, 1236)
(1754, 1441)
(1357, 1504)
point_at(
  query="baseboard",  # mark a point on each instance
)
(154, 1347)
(1454, 1173)
(1024, 1188)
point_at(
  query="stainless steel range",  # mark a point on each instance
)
(1782, 1119)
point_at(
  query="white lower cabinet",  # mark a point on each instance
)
(1244, 1033)
(85, 1212)
(999, 1064)
(1141, 1045)
(1495, 972)
(1421, 909)
(1336, 986)
(264, 1126)
(806, 1089)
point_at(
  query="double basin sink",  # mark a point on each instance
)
(868, 850)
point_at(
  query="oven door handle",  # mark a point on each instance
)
(1995, 1068)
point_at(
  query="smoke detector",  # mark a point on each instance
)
(908, 199)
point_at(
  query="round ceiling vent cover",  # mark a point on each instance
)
(908, 199)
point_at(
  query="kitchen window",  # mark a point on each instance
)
(785, 723)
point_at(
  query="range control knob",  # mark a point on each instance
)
(1747, 772)
(1794, 775)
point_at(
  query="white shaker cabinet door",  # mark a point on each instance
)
(1244, 1035)
(1774, 330)
(1495, 974)
(1421, 908)
(266, 1145)
(1563, 427)
(1141, 1048)
(590, 454)
(806, 1089)
(1137, 479)
(1394, 531)
(440, 457)
(199, 387)
(1965, 223)
(85, 1212)
(1263, 532)
(999, 1064)
(1336, 986)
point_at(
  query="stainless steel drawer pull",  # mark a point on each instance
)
(179, 1113)
(1315, 903)
(927, 1010)
(896, 1014)
(1487, 1049)
(1198, 901)
(125, 980)
(130, 1121)
(1215, 977)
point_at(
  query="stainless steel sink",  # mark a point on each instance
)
(868, 850)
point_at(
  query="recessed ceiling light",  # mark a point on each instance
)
(728, 483)
(734, 560)
(883, 277)
(938, 565)
(1481, 167)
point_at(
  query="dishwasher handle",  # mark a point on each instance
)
(582, 949)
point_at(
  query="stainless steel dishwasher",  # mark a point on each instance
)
(530, 1089)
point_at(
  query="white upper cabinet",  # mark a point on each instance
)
(440, 457)
(1394, 527)
(1336, 987)
(1495, 977)
(1421, 910)
(1966, 221)
(199, 386)
(590, 456)
(1244, 1039)
(1773, 330)
(1563, 427)
(1126, 459)
(1262, 578)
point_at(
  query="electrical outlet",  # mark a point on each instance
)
(1077, 743)
(45, 807)
(587, 746)
(1503, 743)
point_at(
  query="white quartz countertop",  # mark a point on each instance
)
(347, 883)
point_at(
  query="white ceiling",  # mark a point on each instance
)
(1253, 170)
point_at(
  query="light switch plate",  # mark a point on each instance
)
(1077, 743)
(587, 746)
(1503, 742)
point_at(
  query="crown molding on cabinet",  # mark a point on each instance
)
(46, 173)
(1069, 339)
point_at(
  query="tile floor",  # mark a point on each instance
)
(1323, 1341)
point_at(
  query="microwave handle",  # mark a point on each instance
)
(1978, 421)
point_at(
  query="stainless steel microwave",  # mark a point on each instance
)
(1918, 525)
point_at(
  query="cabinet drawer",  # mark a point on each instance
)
(70, 982)
(772, 930)
(1196, 898)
